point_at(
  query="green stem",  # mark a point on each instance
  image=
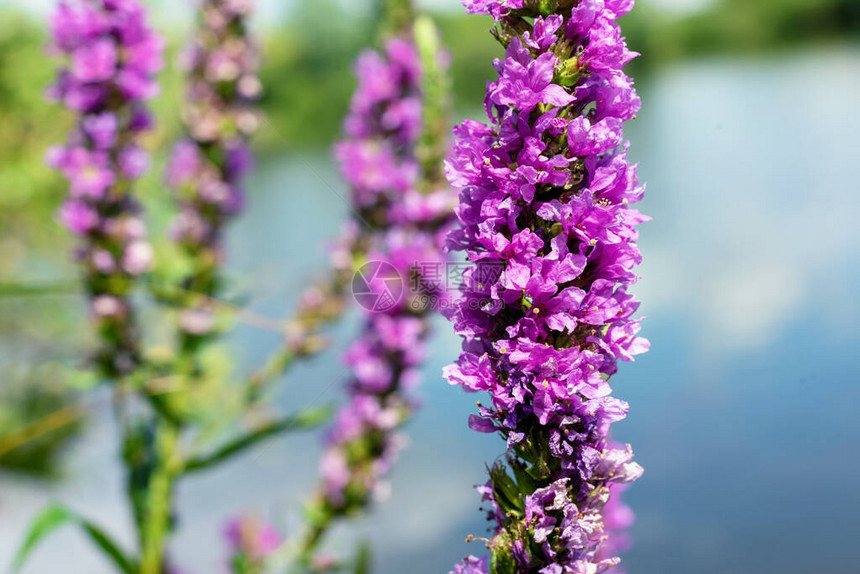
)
(435, 89)
(310, 542)
(156, 522)
(307, 322)
(305, 420)
(37, 289)
(395, 17)
(275, 365)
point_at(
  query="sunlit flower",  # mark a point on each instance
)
(546, 195)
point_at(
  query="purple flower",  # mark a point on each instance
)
(101, 128)
(544, 34)
(95, 62)
(386, 102)
(133, 161)
(75, 23)
(547, 508)
(525, 81)
(104, 43)
(91, 178)
(606, 49)
(183, 164)
(207, 166)
(240, 159)
(471, 565)
(78, 217)
(546, 196)
(145, 56)
(137, 258)
(136, 85)
(402, 225)
(617, 520)
(497, 8)
(252, 537)
(198, 321)
(107, 306)
(585, 139)
(374, 170)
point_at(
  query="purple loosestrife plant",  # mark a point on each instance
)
(391, 157)
(546, 220)
(110, 60)
(207, 166)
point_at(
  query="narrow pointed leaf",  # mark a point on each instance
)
(304, 420)
(363, 560)
(55, 516)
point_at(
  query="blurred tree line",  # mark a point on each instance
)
(308, 80)
(736, 27)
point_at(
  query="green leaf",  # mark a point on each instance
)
(108, 546)
(506, 491)
(46, 522)
(304, 420)
(363, 559)
(55, 516)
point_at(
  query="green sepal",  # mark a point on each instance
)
(526, 481)
(569, 73)
(547, 7)
(502, 558)
(506, 492)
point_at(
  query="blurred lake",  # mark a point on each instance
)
(744, 413)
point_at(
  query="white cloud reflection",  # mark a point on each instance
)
(748, 167)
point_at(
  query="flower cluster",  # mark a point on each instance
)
(207, 166)
(111, 58)
(251, 541)
(617, 519)
(402, 216)
(471, 565)
(546, 218)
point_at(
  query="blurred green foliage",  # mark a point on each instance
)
(307, 76)
(29, 124)
(36, 328)
(36, 419)
(737, 27)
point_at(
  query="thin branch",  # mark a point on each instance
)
(47, 424)
(62, 287)
(304, 420)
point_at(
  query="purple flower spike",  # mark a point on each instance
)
(546, 197)
(403, 212)
(103, 44)
(207, 167)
